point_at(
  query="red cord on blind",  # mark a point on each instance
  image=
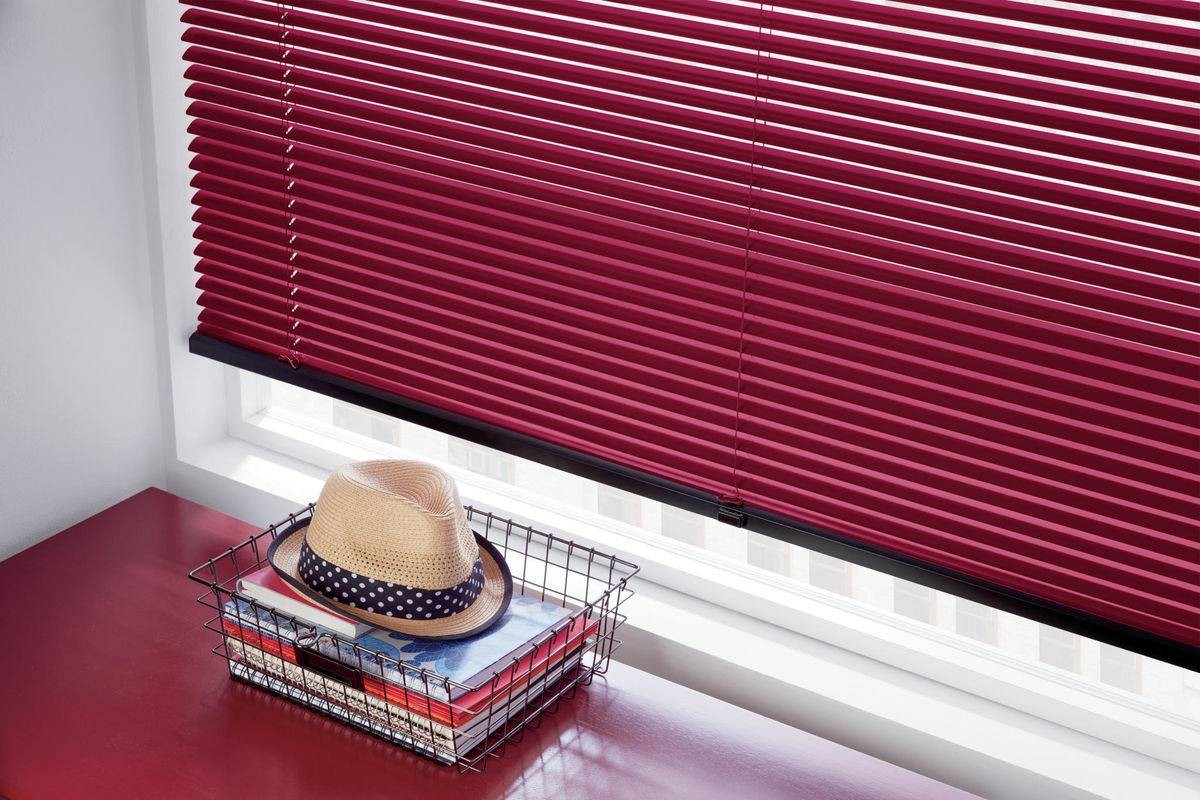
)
(921, 276)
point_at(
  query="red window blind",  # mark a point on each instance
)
(921, 276)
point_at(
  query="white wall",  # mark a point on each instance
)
(80, 419)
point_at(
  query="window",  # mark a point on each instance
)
(367, 423)
(829, 573)
(914, 601)
(683, 526)
(976, 621)
(769, 554)
(1059, 648)
(1120, 668)
(483, 460)
(619, 505)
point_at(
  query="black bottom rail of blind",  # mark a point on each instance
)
(754, 519)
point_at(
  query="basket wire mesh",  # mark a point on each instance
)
(411, 706)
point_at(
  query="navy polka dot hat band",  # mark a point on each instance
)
(385, 597)
(389, 544)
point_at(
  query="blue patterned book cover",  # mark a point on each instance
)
(467, 661)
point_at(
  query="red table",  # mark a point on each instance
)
(107, 689)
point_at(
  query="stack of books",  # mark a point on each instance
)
(440, 697)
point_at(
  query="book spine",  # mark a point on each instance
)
(279, 637)
(354, 700)
(245, 671)
(285, 650)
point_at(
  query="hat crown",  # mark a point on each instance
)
(395, 521)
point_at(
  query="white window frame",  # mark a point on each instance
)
(868, 678)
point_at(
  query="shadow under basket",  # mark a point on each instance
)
(415, 707)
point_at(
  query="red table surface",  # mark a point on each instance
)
(108, 689)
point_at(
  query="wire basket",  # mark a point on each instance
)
(411, 706)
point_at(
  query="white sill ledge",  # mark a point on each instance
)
(876, 706)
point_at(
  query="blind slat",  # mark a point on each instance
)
(957, 288)
(492, 367)
(541, 340)
(795, 104)
(607, 328)
(824, 224)
(837, 163)
(245, 186)
(1063, 488)
(1072, 24)
(1011, 110)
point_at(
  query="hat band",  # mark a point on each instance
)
(382, 597)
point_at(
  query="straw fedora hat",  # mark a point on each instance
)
(389, 544)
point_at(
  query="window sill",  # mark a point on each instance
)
(807, 658)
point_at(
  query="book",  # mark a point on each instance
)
(325, 694)
(265, 586)
(420, 664)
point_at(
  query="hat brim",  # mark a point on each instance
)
(493, 600)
